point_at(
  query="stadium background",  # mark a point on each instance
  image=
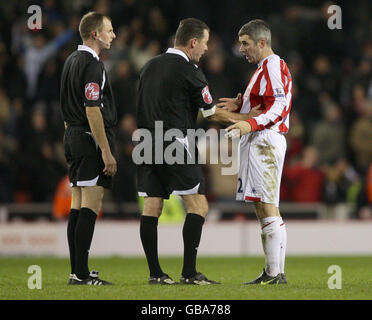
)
(328, 170)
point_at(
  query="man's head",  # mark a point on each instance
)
(96, 27)
(192, 35)
(255, 40)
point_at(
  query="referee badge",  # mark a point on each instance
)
(92, 91)
(206, 95)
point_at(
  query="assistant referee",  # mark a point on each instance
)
(172, 89)
(89, 113)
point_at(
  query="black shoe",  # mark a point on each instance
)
(165, 279)
(264, 279)
(92, 280)
(72, 276)
(283, 279)
(199, 279)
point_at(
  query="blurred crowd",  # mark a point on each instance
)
(329, 155)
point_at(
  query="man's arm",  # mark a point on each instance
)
(231, 104)
(98, 130)
(223, 116)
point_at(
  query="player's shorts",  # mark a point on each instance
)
(84, 157)
(162, 180)
(261, 159)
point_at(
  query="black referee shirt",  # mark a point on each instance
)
(171, 89)
(84, 83)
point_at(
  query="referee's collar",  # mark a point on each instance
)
(179, 52)
(82, 47)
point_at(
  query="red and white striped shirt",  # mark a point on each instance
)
(270, 86)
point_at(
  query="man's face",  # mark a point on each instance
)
(251, 50)
(200, 47)
(107, 34)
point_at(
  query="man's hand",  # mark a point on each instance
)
(230, 104)
(255, 111)
(110, 163)
(238, 129)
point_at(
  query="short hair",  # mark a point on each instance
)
(89, 22)
(189, 28)
(257, 30)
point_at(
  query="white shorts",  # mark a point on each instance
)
(261, 159)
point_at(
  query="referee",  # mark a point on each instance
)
(89, 113)
(172, 89)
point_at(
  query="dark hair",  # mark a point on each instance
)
(256, 30)
(188, 29)
(90, 22)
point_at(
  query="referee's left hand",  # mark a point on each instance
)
(110, 163)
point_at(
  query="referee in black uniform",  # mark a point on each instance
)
(89, 113)
(172, 89)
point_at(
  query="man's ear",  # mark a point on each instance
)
(262, 43)
(94, 35)
(193, 42)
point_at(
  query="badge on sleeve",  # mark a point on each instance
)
(92, 91)
(206, 95)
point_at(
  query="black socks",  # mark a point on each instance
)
(83, 238)
(72, 220)
(149, 238)
(192, 230)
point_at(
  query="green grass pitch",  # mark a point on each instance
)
(307, 279)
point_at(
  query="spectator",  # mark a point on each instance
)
(41, 161)
(303, 179)
(295, 138)
(329, 135)
(219, 82)
(361, 141)
(37, 53)
(124, 89)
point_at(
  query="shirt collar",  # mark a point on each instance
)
(179, 52)
(263, 60)
(82, 47)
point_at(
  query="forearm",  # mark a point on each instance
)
(97, 127)
(270, 117)
(223, 116)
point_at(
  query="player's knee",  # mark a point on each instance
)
(76, 198)
(264, 210)
(259, 210)
(92, 198)
(198, 205)
(269, 210)
(153, 207)
(205, 208)
(94, 205)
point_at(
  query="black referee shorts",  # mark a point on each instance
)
(162, 180)
(84, 157)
